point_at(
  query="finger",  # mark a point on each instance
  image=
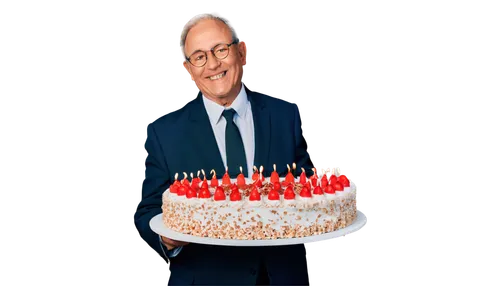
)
(179, 243)
(173, 242)
(167, 240)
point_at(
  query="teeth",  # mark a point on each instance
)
(217, 76)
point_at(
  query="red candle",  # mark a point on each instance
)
(196, 180)
(324, 181)
(204, 193)
(175, 186)
(314, 178)
(214, 182)
(303, 177)
(195, 183)
(274, 175)
(204, 184)
(258, 183)
(262, 178)
(191, 193)
(181, 191)
(273, 195)
(289, 194)
(305, 193)
(254, 194)
(255, 175)
(235, 195)
(319, 191)
(240, 180)
(226, 180)
(289, 177)
(333, 179)
(344, 181)
(219, 194)
(185, 181)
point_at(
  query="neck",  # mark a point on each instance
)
(226, 101)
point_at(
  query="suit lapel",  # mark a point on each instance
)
(262, 129)
(204, 139)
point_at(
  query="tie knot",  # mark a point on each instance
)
(229, 114)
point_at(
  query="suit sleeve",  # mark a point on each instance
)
(157, 180)
(302, 158)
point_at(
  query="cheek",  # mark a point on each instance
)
(197, 75)
(237, 65)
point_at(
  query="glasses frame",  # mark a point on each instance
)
(213, 53)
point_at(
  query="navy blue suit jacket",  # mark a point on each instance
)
(183, 141)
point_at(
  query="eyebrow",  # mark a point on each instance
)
(199, 50)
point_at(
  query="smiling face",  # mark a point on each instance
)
(219, 80)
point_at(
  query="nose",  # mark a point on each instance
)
(212, 61)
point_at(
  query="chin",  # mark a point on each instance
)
(222, 93)
(221, 90)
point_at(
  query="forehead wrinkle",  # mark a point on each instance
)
(204, 38)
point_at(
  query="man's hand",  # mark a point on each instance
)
(171, 244)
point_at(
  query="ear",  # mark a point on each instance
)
(188, 68)
(242, 52)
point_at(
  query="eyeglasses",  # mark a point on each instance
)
(199, 58)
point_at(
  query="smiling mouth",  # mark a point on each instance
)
(216, 77)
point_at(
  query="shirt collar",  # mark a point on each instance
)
(240, 105)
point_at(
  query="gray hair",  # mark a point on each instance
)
(195, 20)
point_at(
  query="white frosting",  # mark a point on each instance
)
(223, 203)
(340, 194)
(236, 204)
(252, 204)
(272, 203)
(330, 197)
(289, 203)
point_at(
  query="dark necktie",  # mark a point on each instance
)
(235, 151)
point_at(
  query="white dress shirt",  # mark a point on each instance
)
(243, 119)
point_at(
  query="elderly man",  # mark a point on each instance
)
(225, 125)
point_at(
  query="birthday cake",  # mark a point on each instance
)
(259, 207)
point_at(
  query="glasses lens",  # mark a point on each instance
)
(221, 51)
(198, 59)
